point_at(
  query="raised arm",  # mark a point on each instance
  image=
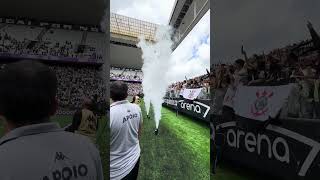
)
(244, 53)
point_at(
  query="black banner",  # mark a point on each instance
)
(199, 109)
(285, 148)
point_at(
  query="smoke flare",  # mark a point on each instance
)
(156, 62)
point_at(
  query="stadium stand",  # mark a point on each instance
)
(126, 74)
(133, 78)
(297, 64)
(75, 79)
(76, 82)
(175, 89)
(19, 40)
(134, 89)
(94, 41)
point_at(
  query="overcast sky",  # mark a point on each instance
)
(155, 11)
(192, 57)
(260, 25)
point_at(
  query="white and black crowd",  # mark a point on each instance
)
(203, 82)
(29, 41)
(133, 78)
(77, 82)
(125, 74)
(278, 67)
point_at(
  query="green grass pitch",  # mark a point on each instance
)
(180, 151)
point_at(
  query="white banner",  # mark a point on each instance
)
(181, 92)
(191, 94)
(260, 102)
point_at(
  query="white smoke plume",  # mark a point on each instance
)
(147, 104)
(156, 62)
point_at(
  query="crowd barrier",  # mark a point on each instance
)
(199, 109)
(203, 94)
(283, 147)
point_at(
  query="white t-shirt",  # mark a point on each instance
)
(125, 120)
(240, 76)
(46, 151)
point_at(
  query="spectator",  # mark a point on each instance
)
(125, 126)
(75, 82)
(297, 64)
(51, 46)
(28, 100)
(85, 121)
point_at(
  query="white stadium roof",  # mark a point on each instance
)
(127, 26)
(124, 38)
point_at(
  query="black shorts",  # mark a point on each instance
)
(133, 175)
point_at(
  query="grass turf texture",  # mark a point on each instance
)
(227, 172)
(180, 151)
(102, 141)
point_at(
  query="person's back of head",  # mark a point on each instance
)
(87, 103)
(27, 93)
(118, 91)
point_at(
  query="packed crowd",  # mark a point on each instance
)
(44, 48)
(77, 82)
(279, 67)
(125, 74)
(33, 45)
(267, 69)
(203, 82)
(134, 89)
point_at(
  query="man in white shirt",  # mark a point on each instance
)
(240, 74)
(33, 147)
(125, 125)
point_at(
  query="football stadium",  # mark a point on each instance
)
(177, 145)
(71, 43)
